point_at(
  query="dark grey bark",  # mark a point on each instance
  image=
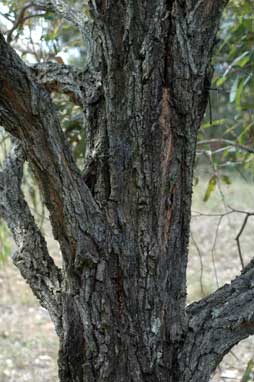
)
(32, 257)
(119, 302)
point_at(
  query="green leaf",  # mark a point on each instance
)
(235, 61)
(243, 61)
(248, 79)
(233, 91)
(221, 81)
(210, 188)
(239, 94)
(217, 122)
(244, 133)
(225, 179)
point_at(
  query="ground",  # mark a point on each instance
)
(28, 344)
(215, 247)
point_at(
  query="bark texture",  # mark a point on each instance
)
(119, 302)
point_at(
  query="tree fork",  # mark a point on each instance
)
(123, 225)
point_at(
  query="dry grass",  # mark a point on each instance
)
(28, 344)
(213, 251)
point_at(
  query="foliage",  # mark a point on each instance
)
(41, 36)
(230, 114)
(234, 64)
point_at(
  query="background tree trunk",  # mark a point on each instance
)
(119, 303)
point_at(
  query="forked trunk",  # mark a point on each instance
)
(125, 321)
(119, 304)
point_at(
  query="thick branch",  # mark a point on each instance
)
(31, 257)
(217, 323)
(26, 111)
(197, 25)
(59, 78)
(202, 7)
(84, 87)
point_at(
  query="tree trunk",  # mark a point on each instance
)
(126, 319)
(119, 303)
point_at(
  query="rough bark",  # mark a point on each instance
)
(60, 78)
(32, 257)
(123, 224)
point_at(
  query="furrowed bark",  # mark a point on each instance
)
(216, 324)
(83, 87)
(61, 79)
(124, 231)
(27, 113)
(32, 257)
(154, 97)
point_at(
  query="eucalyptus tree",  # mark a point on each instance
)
(119, 301)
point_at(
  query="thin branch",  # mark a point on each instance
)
(29, 17)
(251, 213)
(201, 264)
(19, 21)
(227, 142)
(221, 216)
(7, 16)
(213, 250)
(238, 238)
(32, 257)
(201, 214)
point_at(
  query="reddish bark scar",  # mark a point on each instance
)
(166, 157)
(167, 139)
